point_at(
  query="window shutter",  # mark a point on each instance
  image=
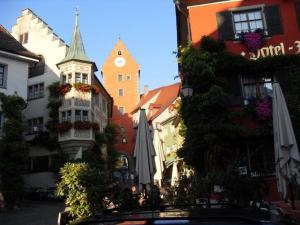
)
(273, 18)
(297, 7)
(225, 26)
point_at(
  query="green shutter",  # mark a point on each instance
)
(225, 26)
(297, 7)
(273, 19)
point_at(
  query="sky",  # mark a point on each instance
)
(147, 28)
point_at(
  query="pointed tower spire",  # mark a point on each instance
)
(76, 50)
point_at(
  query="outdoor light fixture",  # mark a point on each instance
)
(186, 91)
(124, 140)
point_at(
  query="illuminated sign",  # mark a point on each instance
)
(273, 50)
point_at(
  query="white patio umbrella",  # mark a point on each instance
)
(144, 153)
(159, 158)
(286, 150)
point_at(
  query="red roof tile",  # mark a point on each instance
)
(166, 96)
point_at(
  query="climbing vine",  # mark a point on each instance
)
(14, 150)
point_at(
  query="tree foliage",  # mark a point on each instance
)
(14, 150)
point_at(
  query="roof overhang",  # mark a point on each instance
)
(17, 56)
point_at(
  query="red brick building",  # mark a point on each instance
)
(278, 21)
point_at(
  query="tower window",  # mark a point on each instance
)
(120, 77)
(77, 78)
(121, 92)
(23, 38)
(84, 79)
(128, 77)
(119, 52)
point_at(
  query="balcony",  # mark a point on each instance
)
(75, 102)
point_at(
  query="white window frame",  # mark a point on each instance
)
(35, 91)
(3, 76)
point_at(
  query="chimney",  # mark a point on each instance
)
(146, 89)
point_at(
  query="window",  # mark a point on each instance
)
(249, 18)
(64, 79)
(36, 91)
(84, 79)
(69, 78)
(119, 52)
(121, 110)
(81, 115)
(80, 78)
(2, 76)
(256, 88)
(23, 38)
(85, 115)
(128, 77)
(40, 163)
(0, 122)
(77, 77)
(248, 21)
(121, 92)
(37, 69)
(36, 125)
(66, 116)
(120, 77)
(104, 105)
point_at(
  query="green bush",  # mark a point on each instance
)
(83, 188)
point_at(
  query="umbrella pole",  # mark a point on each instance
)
(292, 196)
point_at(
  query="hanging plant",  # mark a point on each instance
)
(95, 126)
(63, 127)
(82, 125)
(64, 88)
(253, 40)
(83, 87)
(264, 109)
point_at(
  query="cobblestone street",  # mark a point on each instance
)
(33, 213)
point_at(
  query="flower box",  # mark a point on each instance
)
(63, 127)
(83, 87)
(82, 125)
(64, 88)
(95, 126)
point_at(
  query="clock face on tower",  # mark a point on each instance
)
(120, 62)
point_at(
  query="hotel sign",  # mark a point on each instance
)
(273, 50)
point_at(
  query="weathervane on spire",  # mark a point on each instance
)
(76, 15)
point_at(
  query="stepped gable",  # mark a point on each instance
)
(9, 44)
(43, 25)
(166, 96)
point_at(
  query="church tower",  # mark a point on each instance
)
(121, 75)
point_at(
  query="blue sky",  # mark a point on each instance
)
(148, 29)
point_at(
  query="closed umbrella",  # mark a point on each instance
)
(286, 150)
(174, 177)
(159, 158)
(144, 153)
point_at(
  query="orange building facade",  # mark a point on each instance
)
(279, 20)
(121, 75)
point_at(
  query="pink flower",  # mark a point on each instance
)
(264, 109)
(253, 40)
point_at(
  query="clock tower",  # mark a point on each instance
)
(121, 75)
